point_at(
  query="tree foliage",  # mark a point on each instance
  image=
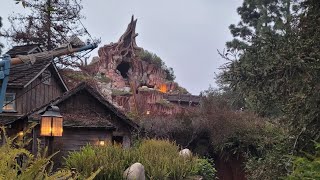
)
(49, 23)
(275, 64)
(307, 167)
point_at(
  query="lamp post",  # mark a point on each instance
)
(51, 125)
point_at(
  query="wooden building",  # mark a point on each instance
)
(88, 117)
(30, 86)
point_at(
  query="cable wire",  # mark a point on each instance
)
(85, 29)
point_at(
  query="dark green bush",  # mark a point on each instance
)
(204, 168)
(307, 167)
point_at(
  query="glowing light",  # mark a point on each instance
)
(45, 129)
(101, 143)
(51, 123)
(163, 88)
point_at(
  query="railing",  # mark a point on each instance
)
(183, 98)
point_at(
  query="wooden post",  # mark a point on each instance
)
(49, 144)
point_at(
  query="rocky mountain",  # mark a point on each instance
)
(134, 79)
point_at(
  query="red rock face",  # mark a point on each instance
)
(120, 63)
(127, 73)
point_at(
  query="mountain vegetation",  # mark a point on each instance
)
(158, 62)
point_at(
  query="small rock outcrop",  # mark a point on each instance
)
(134, 172)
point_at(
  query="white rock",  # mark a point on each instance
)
(127, 89)
(134, 172)
(185, 153)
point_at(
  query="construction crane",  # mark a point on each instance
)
(73, 46)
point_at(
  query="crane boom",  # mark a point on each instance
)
(54, 53)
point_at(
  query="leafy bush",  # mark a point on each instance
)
(307, 167)
(204, 167)
(112, 159)
(161, 160)
(18, 163)
(159, 157)
(263, 143)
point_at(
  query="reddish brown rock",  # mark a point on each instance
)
(128, 81)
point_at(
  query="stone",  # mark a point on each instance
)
(185, 153)
(134, 172)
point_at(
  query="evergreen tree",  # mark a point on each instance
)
(50, 23)
(263, 23)
(278, 69)
(259, 18)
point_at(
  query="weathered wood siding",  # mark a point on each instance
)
(90, 111)
(87, 111)
(75, 138)
(36, 94)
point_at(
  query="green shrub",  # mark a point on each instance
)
(307, 167)
(18, 163)
(204, 168)
(112, 159)
(161, 160)
(159, 157)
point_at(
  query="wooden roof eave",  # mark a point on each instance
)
(60, 77)
(35, 77)
(95, 94)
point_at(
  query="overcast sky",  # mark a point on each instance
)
(184, 33)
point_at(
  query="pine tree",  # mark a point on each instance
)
(263, 27)
(278, 72)
(259, 18)
(50, 23)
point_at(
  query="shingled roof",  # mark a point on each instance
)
(22, 75)
(24, 50)
(82, 119)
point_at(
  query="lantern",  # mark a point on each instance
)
(51, 122)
